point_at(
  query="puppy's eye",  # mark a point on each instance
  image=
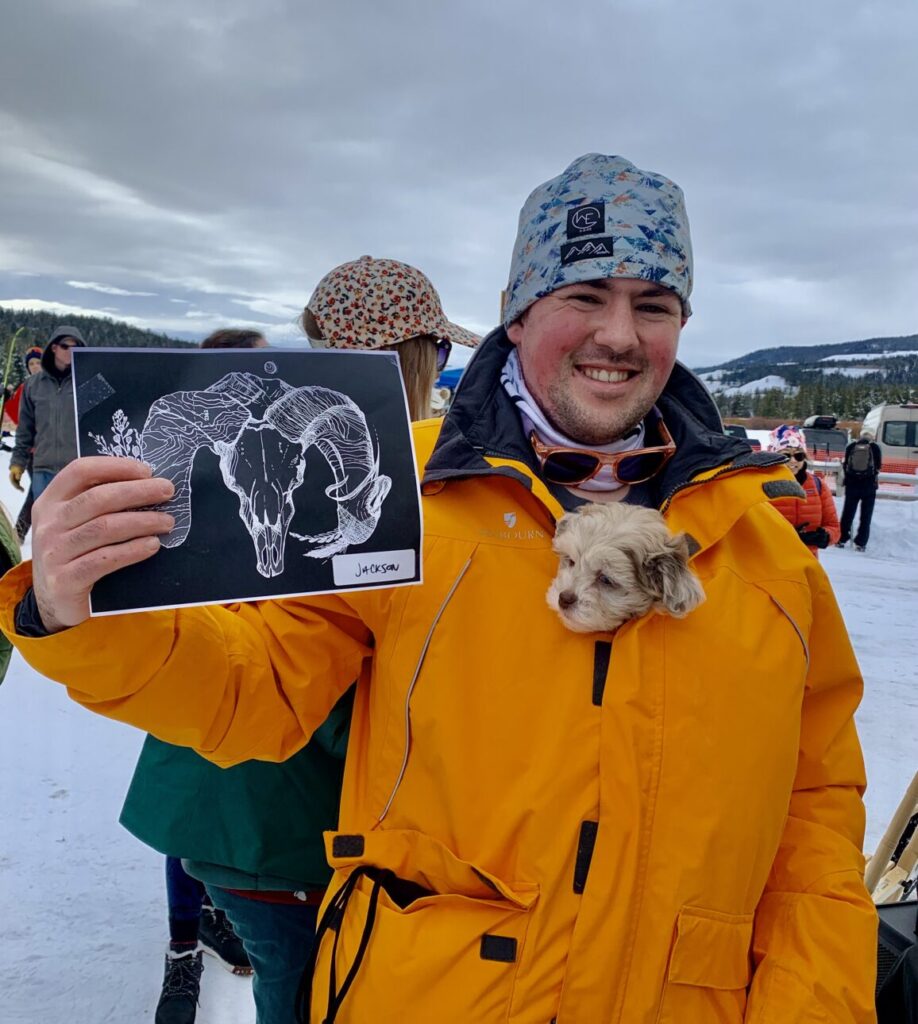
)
(566, 562)
(607, 581)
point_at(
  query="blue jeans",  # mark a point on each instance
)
(278, 938)
(40, 480)
(184, 896)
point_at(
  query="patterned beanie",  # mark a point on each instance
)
(784, 437)
(35, 352)
(371, 303)
(600, 218)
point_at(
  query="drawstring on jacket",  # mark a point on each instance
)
(332, 918)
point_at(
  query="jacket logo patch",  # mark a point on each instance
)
(498, 947)
(594, 249)
(510, 519)
(588, 219)
(347, 846)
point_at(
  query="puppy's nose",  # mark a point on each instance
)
(567, 598)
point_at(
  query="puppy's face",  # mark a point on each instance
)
(618, 562)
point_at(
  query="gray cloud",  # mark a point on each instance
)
(226, 155)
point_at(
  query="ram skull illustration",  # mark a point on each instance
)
(261, 428)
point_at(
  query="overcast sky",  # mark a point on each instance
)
(188, 164)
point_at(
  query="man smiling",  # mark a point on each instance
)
(661, 825)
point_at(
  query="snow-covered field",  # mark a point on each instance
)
(82, 905)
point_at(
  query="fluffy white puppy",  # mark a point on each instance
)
(619, 562)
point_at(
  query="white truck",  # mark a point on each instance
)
(895, 429)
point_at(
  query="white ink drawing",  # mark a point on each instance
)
(125, 439)
(261, 428)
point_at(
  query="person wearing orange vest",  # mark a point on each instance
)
(660, 824)
(811, 512)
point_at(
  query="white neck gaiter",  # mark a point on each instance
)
(534, 420)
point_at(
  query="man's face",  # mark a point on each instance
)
(63, 352)
(596, 356)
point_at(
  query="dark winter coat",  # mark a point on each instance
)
(858, 485)
(254, 826)
(47, 424)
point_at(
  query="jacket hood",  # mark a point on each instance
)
(483, 422)
(47, 357)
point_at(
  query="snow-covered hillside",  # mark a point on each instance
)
(82, 904)
(714, 382)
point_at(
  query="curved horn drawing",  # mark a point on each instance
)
(177, 426)
(338, 428)
(261, 429)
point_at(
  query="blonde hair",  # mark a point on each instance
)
(417, 358)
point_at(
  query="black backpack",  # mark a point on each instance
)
(860, 464)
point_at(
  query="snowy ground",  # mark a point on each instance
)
(82, 915)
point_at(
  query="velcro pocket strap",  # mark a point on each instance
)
(711, 949)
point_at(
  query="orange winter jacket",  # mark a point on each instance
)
(816, 508)
(660, 826)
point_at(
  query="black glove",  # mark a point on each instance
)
(818, 538)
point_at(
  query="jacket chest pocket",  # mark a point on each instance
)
(433, 938)
(709, 969)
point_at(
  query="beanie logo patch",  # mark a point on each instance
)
(594, 249)
(589, 219)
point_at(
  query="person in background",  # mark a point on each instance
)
(252, 834)
(46, 433)
(169, 807)
(862, 464)
(32, 362)
(233, 337)
(812, 514)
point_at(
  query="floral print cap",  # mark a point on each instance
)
(370, 303)
(600, 218)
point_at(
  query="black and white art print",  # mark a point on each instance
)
(293, 470)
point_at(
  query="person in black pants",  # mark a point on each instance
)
(862, 464)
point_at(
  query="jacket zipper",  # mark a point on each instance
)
(413, 683)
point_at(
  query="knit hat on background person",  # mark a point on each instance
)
(600, 218)
(786, 438)
(32, 353)
(370, 303)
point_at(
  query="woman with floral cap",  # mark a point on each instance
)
(386, 305)
(812, 514)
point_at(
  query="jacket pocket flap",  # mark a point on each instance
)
(711, 949)
(423, 860)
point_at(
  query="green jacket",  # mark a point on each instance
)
(257, 825)
(9, 556)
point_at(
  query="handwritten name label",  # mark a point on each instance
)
(373, 567)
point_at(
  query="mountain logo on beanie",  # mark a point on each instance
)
(594, 249)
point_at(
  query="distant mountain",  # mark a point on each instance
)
(98, 331)
(845, 379)
(870, 348)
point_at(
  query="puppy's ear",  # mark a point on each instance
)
(668, 577)
(564, 522)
